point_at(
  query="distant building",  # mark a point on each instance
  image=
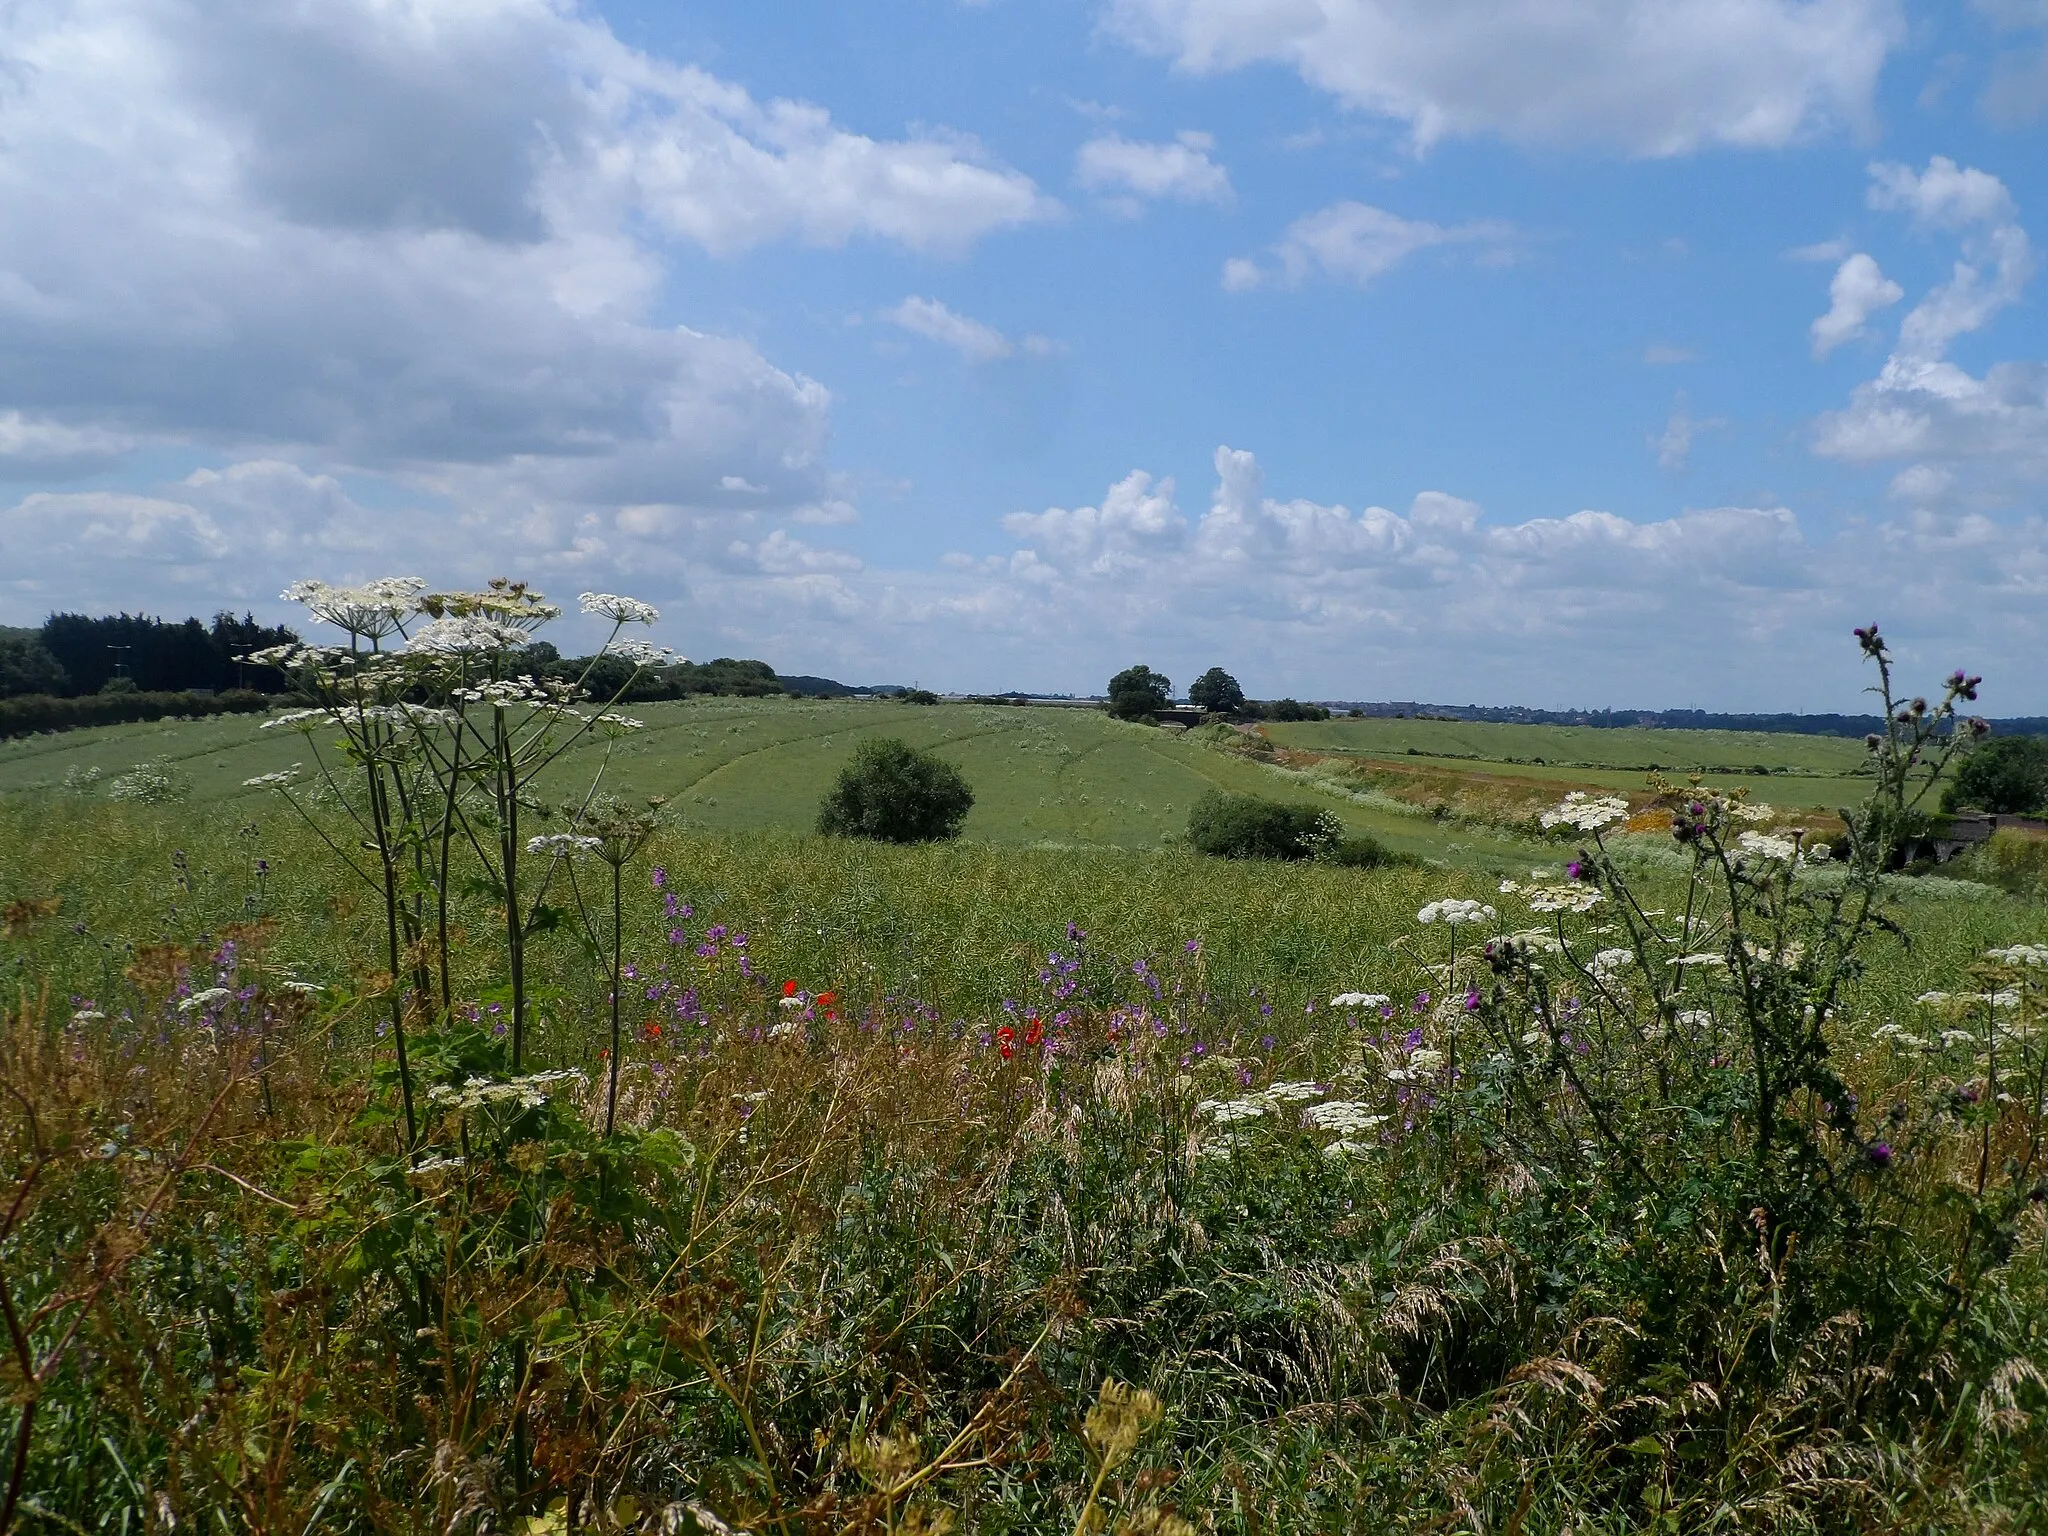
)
(1952, 835)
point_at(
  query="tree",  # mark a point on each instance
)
(1137, 692)
(2007, 775)
(25, 667)
(893, 793)
(1216, 690)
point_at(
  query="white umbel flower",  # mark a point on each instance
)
(620, 610)
(1453, 911)
(1585, 813)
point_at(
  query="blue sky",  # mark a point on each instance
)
(1564, 352)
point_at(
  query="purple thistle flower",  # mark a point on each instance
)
(1880, 1153)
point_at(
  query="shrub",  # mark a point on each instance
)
(1247, 827)
(1363, 851)
(893, 793)
(2015, 861)
(1137, 692)
(34, 712)
(2007, 775)
(156, 782)
(917, 696)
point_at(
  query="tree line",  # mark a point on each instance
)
(1139, 693)
(74, 654)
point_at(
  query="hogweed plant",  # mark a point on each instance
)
(442, 738)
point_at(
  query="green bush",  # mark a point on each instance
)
(1247, 827)
(2015, 861)
(893, 793)
(1362, 851)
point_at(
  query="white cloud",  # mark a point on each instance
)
(974, 341)
(708, 162)
(1992, 431)
(1858, 291)
(422, 243)
(1355, 243)
(215, 539)
(32, 448)
(1820, 250)
(1181, 169)
(1645, 77)
(1674, 444)
(1136, 521)
(1944, 196)
(1441, 602)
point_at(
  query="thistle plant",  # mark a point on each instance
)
(442, 737)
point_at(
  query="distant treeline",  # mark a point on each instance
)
(1667, 719)
(606, 675)
(73, 655)
(76, 670)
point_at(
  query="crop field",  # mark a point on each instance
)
(1639, 750)
(1046, 776)
(1057, 777)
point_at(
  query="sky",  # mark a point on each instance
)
(1569, 353)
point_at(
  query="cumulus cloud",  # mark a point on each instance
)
(1644, 77)
(1440, 601)
(1355, 243)
(422, 243)
(1136, 522)
(1991, 430)
(1859, 290)
(1181, 169)
(976, 342)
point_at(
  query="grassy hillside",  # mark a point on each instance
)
(1057, 777)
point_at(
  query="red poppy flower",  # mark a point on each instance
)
(827, 999)
(1005, 1038)
(1034, 1033)
(789, 989)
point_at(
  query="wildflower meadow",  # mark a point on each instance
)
(424, 1146)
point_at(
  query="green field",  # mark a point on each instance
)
(1042, 777)
(1045, 777)
(1580, 746)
